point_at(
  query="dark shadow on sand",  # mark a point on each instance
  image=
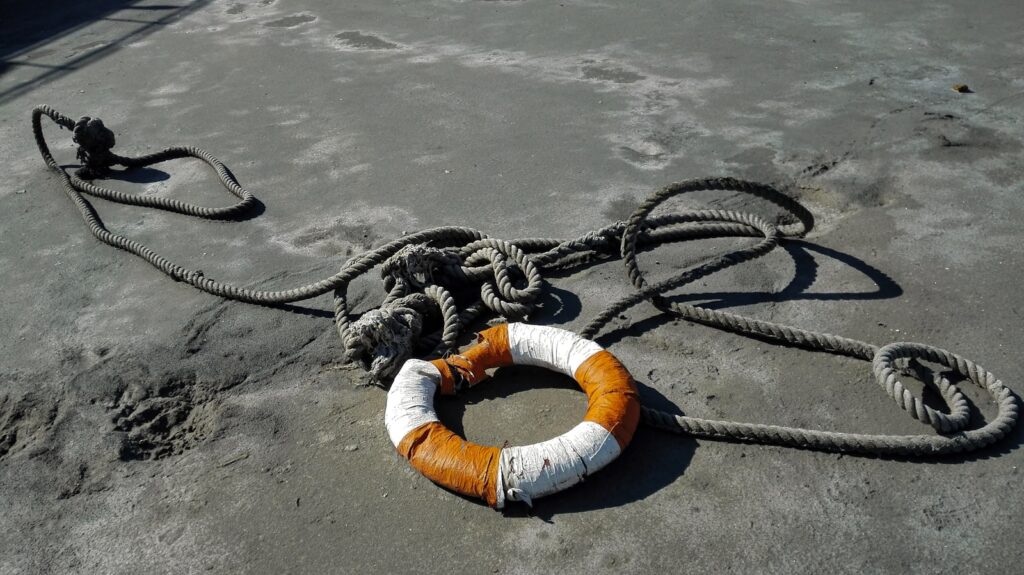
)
(805, 274)
(556, 306)
(139, 175)
(28, 26)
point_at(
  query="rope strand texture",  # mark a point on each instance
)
(427, 272)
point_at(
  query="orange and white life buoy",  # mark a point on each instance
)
(523, 473)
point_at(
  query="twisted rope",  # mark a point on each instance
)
(430, 274)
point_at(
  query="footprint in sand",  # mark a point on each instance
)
(167, 421)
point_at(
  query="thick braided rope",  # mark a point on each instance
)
(883, 359)
(74, 187)
(491, 262)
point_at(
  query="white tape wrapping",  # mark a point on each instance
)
(549, 347)
(411, 399)
(532, 471)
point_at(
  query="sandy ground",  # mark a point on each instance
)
(148, 427)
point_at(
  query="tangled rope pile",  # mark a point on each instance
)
(433, 273)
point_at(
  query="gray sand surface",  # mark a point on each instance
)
(148, 427)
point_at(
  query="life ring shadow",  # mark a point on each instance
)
(652, 461)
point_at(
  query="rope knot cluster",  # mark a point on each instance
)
(94, 143)
(426, 287)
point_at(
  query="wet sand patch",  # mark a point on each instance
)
(606, 73)
(292, 21)
(360, 41)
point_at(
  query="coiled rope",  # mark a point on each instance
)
(430, 274)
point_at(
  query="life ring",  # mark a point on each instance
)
(523, 473)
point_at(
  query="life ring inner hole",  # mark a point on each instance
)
(519, 404)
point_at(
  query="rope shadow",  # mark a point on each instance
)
(556, 306)
(144, 175)
(805, 275)
(139, 175)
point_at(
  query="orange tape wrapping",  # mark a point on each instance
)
(612, 397)
(491, 350)
(449, 460)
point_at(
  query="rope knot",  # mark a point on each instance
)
(415, 265)
(94, 143)
(383, 339)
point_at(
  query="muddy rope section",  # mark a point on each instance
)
(430, 274)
